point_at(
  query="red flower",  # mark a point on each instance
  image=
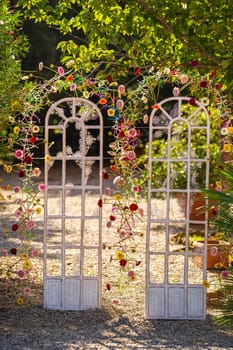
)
(192, 101)
(138, 71)
(105, 175)
(33, 139)
(121, 133)
(13, 251)
(113, 167)
(27, 160)
(123, 262)
(194, 63)
(14, 227)
(109, 79)
(108, 287)
(212, 74)
(218, 86)
(133, 207)
(21, 174)
(100, 203)
(203, 84)
(112, 218)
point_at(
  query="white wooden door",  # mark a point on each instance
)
(73, 221)
(174, 283)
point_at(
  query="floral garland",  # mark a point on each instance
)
(125, 108)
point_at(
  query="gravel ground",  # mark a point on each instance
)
(121, 326)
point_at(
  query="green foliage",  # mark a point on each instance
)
(119, 36)
(226, 317)
(222, 197)
(13, 46)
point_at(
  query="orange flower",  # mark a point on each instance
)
(103, 101)
(69, 77)
(155, 107)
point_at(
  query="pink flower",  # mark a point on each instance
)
(176, 91)
(119, 181)
(107, 191)
(141, 212)
(18, 212)
(122, 234)
(61, 70)
(121, 89)
(109, 224)
(21, 273)
(136, 188)
(131, 273)
(184, 79)
(131, 155)
(41, 187)
(27, 291)
(35, 253)
(41, 66)
(133, 133)
(19, 154)
(73, 87)
(224, 274)
(116, 301)
(30, 224)
(17, 189)
(119, 104)
(213, 251)
(114, 209)
(4, 252)
(36, 172)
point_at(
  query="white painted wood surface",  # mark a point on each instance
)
(171, 292)
(73, 237)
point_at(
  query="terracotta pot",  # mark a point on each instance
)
(197, 205)
(219, 256)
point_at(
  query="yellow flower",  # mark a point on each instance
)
(206, 284)
(24, 256)
(7, 168)
(110, 133)
(120, 255)
(219, 265)
(114, 83)
(6, 232)
(218, 235)
(117, 196)
(111, 112)
(47, 158)
(20, 301)
(38, 210)
(227, 147)
(16, 130)
(230, 129)
(27, 264)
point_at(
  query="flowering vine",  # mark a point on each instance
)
(127, 109)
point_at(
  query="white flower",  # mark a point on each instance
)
(205, 101)
(224, 131)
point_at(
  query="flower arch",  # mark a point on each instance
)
(126, 109)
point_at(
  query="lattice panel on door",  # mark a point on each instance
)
(72, 240)
(174, 282)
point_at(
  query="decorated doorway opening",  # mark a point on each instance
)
(175, 285)
(72, 239)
